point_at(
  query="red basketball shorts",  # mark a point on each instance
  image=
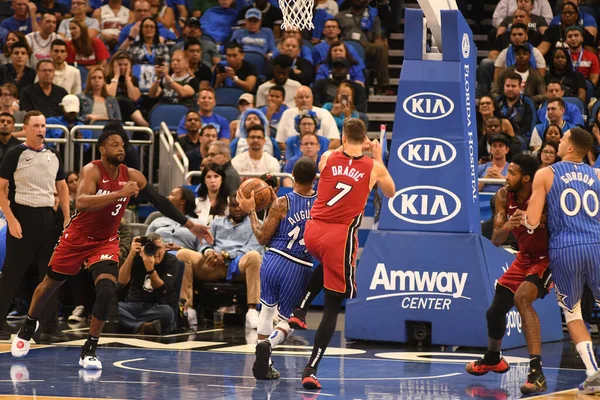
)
(533, 269)
(335, 246)
(72, 251)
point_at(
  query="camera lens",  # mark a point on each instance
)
(150, 248)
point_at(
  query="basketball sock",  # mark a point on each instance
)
(30, 323)
(276, 338)
(586, 352)
(89, 348)
(535, 362)
(491, 357)
(331, 309)
(314, 287)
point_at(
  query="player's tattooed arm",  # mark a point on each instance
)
(265, 232)
(502, 224)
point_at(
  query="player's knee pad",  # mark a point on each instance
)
(104, 267)
(265, 319)
(496, 323)
(285, 327)
(572, 315)
(105, 292)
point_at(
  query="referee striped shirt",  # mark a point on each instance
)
(32, 175)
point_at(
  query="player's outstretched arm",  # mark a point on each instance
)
(166, 208)
(87, 199)
(263, 232)
(382, 175)
(542, 182)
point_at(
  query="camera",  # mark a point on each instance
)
(220, 68)
(159, 61)
(148, 246)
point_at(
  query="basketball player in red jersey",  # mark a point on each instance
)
(527, 279)
(91, 238)
(331, 236)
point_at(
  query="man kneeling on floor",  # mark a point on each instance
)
(150, 272)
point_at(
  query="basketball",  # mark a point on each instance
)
(262, 192)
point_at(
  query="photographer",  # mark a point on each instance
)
(177, 88)
(151, 273)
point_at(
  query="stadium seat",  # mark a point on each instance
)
(594, 112)
(590, 89)
(230, 113)
(130, 216)
(138, 229)
(153, 215)
(577, 101)
(228, 96)
(360, 50)
(259, 61)
(171, 114)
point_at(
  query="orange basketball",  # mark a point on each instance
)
(262, 192)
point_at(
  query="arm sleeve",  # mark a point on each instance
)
(162, 204)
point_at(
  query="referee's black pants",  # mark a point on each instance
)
(40, 235)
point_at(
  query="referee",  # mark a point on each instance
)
(30, 174)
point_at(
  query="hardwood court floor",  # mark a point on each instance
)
(217, 364)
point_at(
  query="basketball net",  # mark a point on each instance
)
(297, 14)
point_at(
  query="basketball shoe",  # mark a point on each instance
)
(22, 342)
(263, 368)
(90, 361)
(591, 384)
(481, 367)
(297, 320)
(309, 379)
(536, 382)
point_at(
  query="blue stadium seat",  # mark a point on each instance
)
(577, 101)
(228, 96)
(590, 89)
(259, 61)
(171, 114)
(360, 50)
(230, 113)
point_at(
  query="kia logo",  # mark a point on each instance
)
(424, 205)
(427, 152)
(466, 45)
(428, 106)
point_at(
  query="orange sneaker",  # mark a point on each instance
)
(309, 380)
(480, 367)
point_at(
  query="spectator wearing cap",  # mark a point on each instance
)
(254, 37)
(533, 84)
(554, 116)
(44, 95)
(245, 102)
(192, 30)
(69, 111)
(583, 60)
(218, 20)
(325, 89)
(282, 65)
(193, 49)
(235, 71)
(275, 107)
(302, 70)
(497, 168)
(507, 57)
(339, 50)
(272, 17)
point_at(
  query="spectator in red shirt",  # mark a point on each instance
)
(583, 60)
(83, 50)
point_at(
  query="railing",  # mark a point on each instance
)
(149, 172)
(492, 182)
(179, 167)
(173, 162)
(65, 153)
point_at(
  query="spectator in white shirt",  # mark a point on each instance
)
(304, 102)
(507, 8)
(255, 159)
(41, 40)
(65, 75)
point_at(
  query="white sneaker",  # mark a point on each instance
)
(77, 315)
(192, 319)
(19, 373)
(252, 318)
(20, 347)
(90, 362)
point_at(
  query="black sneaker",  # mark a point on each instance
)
(260, 369)
(298, 320)
(536, 382)
(19, 311)
(53, 337)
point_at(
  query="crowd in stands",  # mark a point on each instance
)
(539, 79)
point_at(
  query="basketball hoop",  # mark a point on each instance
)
(297, 14)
